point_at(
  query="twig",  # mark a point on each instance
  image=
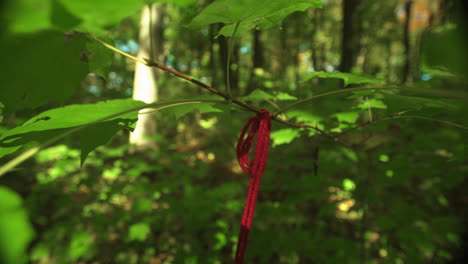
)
(229, 98)
(235, 101)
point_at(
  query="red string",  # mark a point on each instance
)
(260, 125)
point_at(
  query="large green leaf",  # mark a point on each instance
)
(99, 134)
(15, 230)
(348, 78)
(97, 15)
(56, 121)
(397, 102)
(40, 68)
(250, 14)
(99, 58)
(25, 16)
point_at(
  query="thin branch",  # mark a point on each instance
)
(229, 98)
(120, 52)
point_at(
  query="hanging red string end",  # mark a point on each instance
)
(259, 125)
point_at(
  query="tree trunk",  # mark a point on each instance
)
(406, 74)
(314, 50)
(233, 71)
(350, 35)
(213, 64)
(145, 86)
(257, 60)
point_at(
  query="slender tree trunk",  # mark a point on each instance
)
(284, 59)
(145, 86)
(223, 54)
(213, 64)
(314, 50)
(257, 60)
(350, 35)
(406, 74)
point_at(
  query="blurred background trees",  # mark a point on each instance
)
(394, 193)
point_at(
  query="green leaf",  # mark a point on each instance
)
(138, 232)
(81, 245)
(260, 14)
(15, 230)
(257, 96)
(452, 37)
(284, 136)
(61, 17)
(142, 205)
(26, 16)
(53, 122)
(98, 15)
(349, 184)
(397, 102)
(99, 58)
(40, 68)
(97, 135)
(182, 3)
(348, 78)
(372, 103)
(348, 117)
(304, 116)
(284, 97)
(441, 73)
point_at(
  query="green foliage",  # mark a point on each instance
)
(400, 102)
(52, 64)
(249, 14)
(348, 78)
(258, 95)
(381, 192)
(103, 119)
(26, 16)
(138, 232)
(15, 230)
(447, 36)
(81, 246)
(284, 136)
(99, 57)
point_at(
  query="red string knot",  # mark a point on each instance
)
(259, 125)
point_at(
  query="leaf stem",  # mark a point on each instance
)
(120, 52)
